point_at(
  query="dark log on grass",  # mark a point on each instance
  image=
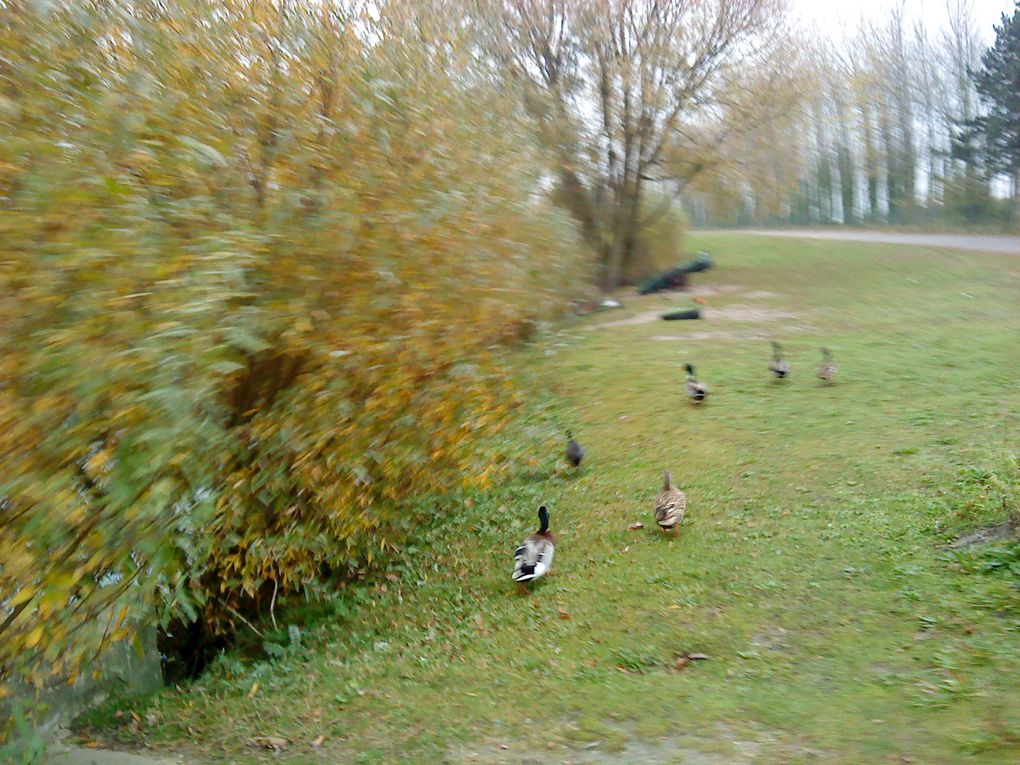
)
(676, 278)
(692, 313)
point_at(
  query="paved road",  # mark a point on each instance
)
(973, 242)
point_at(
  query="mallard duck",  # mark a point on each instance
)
(575, 452)
(670, 506)
(534, 557)
(696, 391)
(779, 367)
(827, 369)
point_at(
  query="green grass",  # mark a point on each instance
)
(812, 570)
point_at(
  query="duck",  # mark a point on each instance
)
(670, 506)
(534, 557)
(827, 369)
(575, 452)
(779, 367)
(696, 390)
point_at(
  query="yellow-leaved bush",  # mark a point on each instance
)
(258, 261)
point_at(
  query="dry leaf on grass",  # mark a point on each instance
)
(270, 742)
(318, 742)
(635, 526)
(563, 614)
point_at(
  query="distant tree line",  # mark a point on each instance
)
(897, 124)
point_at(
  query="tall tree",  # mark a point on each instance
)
(617, 86)
(998, 83)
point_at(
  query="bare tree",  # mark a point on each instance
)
(633, 92)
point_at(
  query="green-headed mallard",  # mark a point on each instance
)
(827, 369)
(670, 506)
(534, 557)
(696, 390)
(779, 367)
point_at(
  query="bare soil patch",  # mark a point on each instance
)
(1009, 530)
(621, 746)
(665, 302)
(748, 313)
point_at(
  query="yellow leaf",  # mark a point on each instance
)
(34, 636)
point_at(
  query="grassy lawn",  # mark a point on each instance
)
(812, 568)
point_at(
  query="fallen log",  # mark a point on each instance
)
(676, 278)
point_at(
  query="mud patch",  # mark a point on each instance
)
(738, 312)
(712, 290)
(1010, 530)
(645, 317)
(718, 746)
(722, 334)
(748, 313)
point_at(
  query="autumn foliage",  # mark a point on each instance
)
(258, 261)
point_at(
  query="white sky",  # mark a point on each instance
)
(833, 18)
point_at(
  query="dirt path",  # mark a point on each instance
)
(75, 755)
(979, 243)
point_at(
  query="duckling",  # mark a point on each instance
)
(670, 506)
(575, 452)
(827, 369)
(534, 557)
(696, 391)
(779, 367)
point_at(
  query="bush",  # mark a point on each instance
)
(257, 263)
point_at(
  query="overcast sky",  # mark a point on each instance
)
(833, 18)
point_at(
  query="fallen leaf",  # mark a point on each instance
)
(92, 744)
(393, 577)
(626, 549)
(504, 747)
(624, 670)
(635, 526)
(253, 690)
(680, 663)
(318, 741)
(135, 717)
(270, 742)
(563, 614)
(697, 656)
(675, 606)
